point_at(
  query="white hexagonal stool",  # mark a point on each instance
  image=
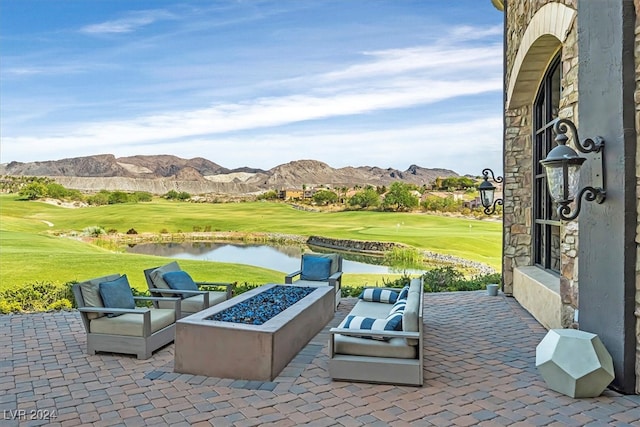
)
(575, 363)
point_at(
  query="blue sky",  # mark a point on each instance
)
(257, 83)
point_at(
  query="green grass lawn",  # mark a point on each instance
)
(30, 250)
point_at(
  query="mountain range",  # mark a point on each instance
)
(158, 174)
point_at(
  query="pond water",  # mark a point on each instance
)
(280, 258)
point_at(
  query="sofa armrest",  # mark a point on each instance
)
(374, 333)
(288, 279)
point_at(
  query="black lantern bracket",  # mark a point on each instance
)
(595, 192)
(487, 191)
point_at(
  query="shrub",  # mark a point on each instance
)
(39, 296)
(448, 279)
(132, 231)
(94, 231)
(118, 197)
(99, 199)
(240, 288)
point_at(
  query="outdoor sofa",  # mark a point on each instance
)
(130, 330)
(361, 349)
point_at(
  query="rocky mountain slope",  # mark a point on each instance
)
(161, 173)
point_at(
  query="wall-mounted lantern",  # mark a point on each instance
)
(487, 191)
(562, 166)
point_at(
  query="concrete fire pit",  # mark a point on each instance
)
(249, 352)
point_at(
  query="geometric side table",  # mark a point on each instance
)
(575, 363)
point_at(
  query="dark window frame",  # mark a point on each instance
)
(546, 224)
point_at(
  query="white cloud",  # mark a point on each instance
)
(254, 129)
(260, 113)
(128, 24)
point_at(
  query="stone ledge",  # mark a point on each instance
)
(538, 291)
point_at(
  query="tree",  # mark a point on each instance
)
(33, 191)
(324, 197)
(399, 197)
(269, 195)
(56, 191)
(366, 198)
(99, 199)
(118, 197)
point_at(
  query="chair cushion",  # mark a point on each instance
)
(131, 324)
(391, 323)
(117, 294)
(90, 290)
(396, 348)
(180, 280)
(371, 309)
(379, 295)
(156, 275)
(195, 303)
(315, 268)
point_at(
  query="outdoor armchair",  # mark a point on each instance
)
(171, 280)
(319, 270)
(113, 322)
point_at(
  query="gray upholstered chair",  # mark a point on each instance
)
(319, 270)
(113, 322)
(195, 297)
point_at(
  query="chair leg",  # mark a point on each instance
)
(145, 354)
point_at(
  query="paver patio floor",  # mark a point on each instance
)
(479, 370)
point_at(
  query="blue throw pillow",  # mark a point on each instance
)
(116, 294)
(379, 295)
(404, 293)
(180, 280)
(315, 268)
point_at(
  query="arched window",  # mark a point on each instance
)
(546, 225)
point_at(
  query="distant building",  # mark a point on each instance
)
(291, 194)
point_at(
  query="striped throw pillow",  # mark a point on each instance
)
(379, 295)
(398, 307)
(391, 323)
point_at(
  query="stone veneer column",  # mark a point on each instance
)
(637, 102)
(517, 193)
(569, 230)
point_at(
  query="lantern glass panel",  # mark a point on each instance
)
(555, 180)
(486, 197)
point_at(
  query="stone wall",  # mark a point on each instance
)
(353, 245)
(518, 168)
(379, 248)
(637, 102)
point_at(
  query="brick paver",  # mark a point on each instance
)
(479, 370)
